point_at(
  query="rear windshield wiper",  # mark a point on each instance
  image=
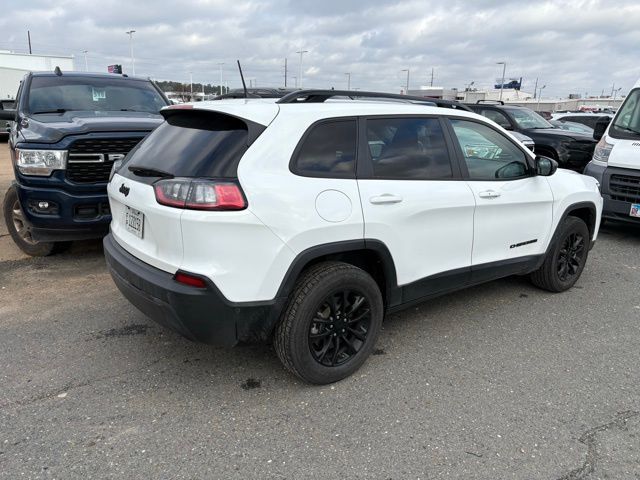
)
(149, 172)
(57, 110)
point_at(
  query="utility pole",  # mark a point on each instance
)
(285, 72)
(220, 64)
(86, 63)
(504, 68)
(191, 86)
(406, 91)
(133, 64)
(301, 52)
(538, 107)
(29, 38)
(432, 76)
(348, 74)
(535, 89)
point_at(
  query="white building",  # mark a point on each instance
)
(14, 66)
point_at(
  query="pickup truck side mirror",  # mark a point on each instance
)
(545, 166)
(600, 128)
(8, 115)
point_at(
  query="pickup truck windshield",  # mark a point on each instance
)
(526, 118)
(627, 121)
(59, 94)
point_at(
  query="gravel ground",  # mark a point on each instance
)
(501, 381)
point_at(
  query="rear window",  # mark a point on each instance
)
(193, 144)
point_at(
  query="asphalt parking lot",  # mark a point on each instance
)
(498, 381)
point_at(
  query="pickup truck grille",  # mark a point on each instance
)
(89, 160)
(625, 188)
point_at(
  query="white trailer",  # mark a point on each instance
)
(14, 66)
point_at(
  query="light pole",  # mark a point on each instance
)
(301, 52)
(539, 95)
(504, 69)
(406, 91)
(348, 74)
(133, 65)
(295, 81)
(615, 94)
(86, 63)
(220, 66)
(191, 86)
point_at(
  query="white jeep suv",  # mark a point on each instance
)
(304, 220)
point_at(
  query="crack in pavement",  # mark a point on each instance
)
(589, 439)
(70, 386)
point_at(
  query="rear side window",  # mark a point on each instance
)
(194, 144)
(328, 150)
(408, 149)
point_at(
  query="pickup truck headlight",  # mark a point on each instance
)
(40, 162)
(602, 152)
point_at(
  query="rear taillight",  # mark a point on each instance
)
(199, 194)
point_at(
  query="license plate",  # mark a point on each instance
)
(635, 210)
(134, 221)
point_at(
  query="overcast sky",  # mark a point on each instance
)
(573, 46)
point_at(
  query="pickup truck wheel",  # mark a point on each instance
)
(566, 259)
(19, 228)
(331, 323)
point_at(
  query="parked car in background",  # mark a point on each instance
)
(572, 127)
(5, 126)
(245, 220)
(616, 161)
(570, 149)
(585, 118)
(67, 131)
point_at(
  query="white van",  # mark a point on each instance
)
(616, 161)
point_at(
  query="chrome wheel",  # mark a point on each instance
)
(20, 224)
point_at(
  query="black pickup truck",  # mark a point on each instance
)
(67, 130)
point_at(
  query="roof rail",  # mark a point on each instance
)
(319, 96)
(498, 102)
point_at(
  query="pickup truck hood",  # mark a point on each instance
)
(52, 127)
(557, 132)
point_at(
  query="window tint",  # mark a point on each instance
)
(487, 153)
(498, 117)
(193, 144)
(408, 148)
(329, 150)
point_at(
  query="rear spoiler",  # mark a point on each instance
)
(254, 130)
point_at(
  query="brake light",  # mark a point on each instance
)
(199, 194)
(190, 280)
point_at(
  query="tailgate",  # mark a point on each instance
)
(143, 227)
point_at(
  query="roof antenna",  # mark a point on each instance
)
(244, 85)
(57, 71)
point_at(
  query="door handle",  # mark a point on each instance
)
(489, 194)
(385, 198)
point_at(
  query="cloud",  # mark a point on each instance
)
(569, 45)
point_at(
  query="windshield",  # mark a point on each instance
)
(59, 94)
(526, 118)
(627, 122)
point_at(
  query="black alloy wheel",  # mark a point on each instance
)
(570, 256)
(339, 328)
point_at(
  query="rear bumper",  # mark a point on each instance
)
(199, 314)
(616, 206)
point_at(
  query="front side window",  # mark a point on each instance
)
(627, 121)
(488, 154)
(329, 150)
(408, 149)
(498, 117)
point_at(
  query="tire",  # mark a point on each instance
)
(566, 258)
(19, 229)
(313, 339)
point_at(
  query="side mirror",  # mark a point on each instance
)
(8, 115)
(545, 166)
(600, 128)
